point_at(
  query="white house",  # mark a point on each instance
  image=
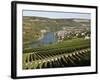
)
(43, 31)
(87, 37)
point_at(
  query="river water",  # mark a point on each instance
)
(48, 38)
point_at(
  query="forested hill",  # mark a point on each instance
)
(45, 23)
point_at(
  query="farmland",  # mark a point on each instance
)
(55, 43)
(70, 53)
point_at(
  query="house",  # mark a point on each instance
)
(43, 31)
(61, 35)
(87, 37)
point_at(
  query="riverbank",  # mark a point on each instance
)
(42, 35)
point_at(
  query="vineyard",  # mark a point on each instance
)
(72, 53)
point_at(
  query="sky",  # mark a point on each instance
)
(57, 15)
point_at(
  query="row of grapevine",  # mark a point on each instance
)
(57, 58)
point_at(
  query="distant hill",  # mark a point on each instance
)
(50, 23)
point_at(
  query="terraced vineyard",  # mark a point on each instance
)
(67, 54)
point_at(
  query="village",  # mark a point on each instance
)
(71, 33)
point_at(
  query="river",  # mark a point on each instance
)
(48, 38)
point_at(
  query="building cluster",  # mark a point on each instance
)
(73, 33)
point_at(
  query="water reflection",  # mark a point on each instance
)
(48, 38)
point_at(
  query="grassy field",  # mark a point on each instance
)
(65, 44)
(75, 52)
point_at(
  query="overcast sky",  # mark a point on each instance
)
(57, 15)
